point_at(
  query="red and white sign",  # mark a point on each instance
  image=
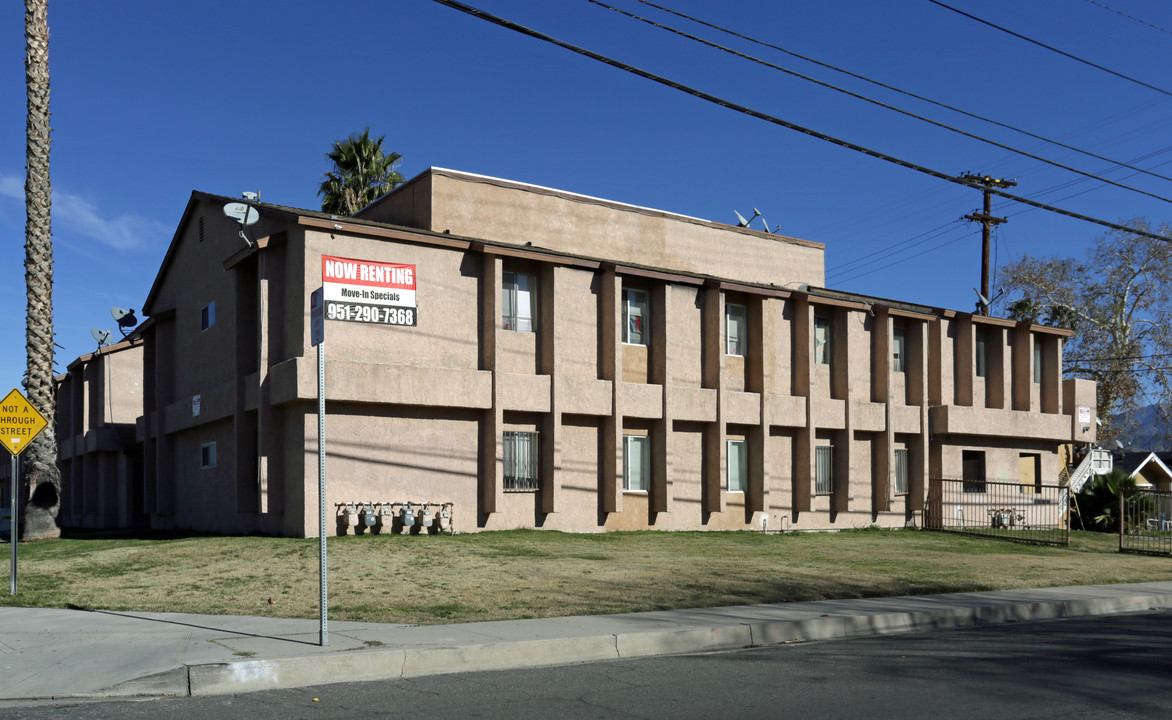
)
(368, 291)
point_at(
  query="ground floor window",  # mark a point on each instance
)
(636, 463)
(973, 470)
(900, 471)
(522, 461)
(738, 465)
(823, 469)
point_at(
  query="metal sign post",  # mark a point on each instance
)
(317, 325)
(12, 526)
(20, 422)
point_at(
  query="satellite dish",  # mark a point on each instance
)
(984, 300)
(1118, 444)
(102, 336)
(126, 319)
(242, 213)
(742, 222)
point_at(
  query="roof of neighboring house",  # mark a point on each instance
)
(1134, 462)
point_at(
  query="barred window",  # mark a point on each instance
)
(901, 471)
(522, 461)
(823, 469)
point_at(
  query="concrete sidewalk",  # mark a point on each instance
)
(79, 653)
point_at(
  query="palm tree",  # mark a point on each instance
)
(361, 174)
(40, 460)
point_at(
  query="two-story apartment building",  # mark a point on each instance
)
(544, 359)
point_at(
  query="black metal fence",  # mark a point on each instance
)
(1032, 513)
(1146, 522)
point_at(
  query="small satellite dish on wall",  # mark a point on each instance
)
(126, 319)
(102, 336)
(242, 213)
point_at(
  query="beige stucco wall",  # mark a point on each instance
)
(418, 413)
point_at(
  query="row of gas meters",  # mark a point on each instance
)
(390, 517)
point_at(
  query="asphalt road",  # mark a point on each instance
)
(1117, 666)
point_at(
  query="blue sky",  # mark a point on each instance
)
(152, 100)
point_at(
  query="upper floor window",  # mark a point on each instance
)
(518, 301)
(738, 465)
(735, 316)
(207, 316)
(979, 359)
(635, 317)
(1037, 361)
(821, 340)
(898, 349)
(207, 456)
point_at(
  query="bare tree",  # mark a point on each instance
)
(40, 459)
(1118, 300)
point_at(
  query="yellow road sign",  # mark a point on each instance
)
(19, 422)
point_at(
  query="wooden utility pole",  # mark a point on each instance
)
(987, 222)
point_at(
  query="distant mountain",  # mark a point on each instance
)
(1151, 432)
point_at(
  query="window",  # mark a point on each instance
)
(1037, 361)
(635, 317)
(898, 349)
(900, 471)
(973, 470)
(979, 360)
(207, 456)
(821, 340)
(636, 463)
(734, 329)
(738, 465)
(207, 316)
(823, 469)
(522, 461)
(518, 301)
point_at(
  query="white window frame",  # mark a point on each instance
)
(900, 471)
(639, 300)
(737, 472)
(522, 460)
(898, 349)
(514, 318)
(644, 443)
(823, 339)
(207, 316)
(207, 456)
(734, 343)
(823, 469)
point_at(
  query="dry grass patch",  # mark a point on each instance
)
(524, 574)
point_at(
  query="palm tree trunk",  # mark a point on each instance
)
(40, 459)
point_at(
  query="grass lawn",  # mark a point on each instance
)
(529, 573)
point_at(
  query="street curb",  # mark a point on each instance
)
(391, 664)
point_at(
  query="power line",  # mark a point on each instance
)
(866, 271)
(516, 27)
(1052, 48)
(885, 86)
(1130, 17)
(881, 104)
(890, 250)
